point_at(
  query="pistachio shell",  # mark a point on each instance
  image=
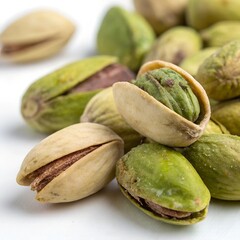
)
(58, 99)
(158, 122)
(162, 14)
(102, 109)
(228, 114)
(153, 173)
(36, 35)
(124, 35)
(216, 159)
(192, 63)
(221, 33)
(87, 175)
(219, 74)
(175, 45)
(201, 14)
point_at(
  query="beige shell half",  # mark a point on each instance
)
(38, 34)
(152, 119)
(86, 176)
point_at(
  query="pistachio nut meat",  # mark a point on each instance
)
(216, 159)
(163, 184)
(72, 163)
(167, 104)
(219, 74)
(174, 45)
(162, 14)
(215, 126)
(102, 109)
(58, 99)
(36, 35)
(125, 35)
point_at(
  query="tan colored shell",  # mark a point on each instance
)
(41, 33)
(86, 176)
(153, 119)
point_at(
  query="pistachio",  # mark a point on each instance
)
(192, 63)
(175, 45)
(219, 74)
(162, 14)
(72, 163)
(158, 121)
(216, 159)
(218, 34)
(163, 184)
(34, 36)
(201, 14)
(124, 35)
(102, 109)
(58, 99)
(215, 126)
(228, 114)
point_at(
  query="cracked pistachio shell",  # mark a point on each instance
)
(175, 45)
(221, 33)
(228, 114)
(102, 109)
(216, 159)
(163, 184)
(201, 14)
(162, 14)
(90, 173)
(192, 63)
(125, 35)
(215, 126)
(36, 35)
(50, 103)
(153, 119)
(219, 74)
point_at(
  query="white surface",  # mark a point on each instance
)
(105, 215)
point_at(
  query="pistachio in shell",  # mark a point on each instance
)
(221, 33)
(215, 126)
(228, 114)
(159, 122)
(58, 99)
(162, 14)
(72, 163)
(102, 109)
(175, 45)
(192, 63)
(216, 159)
(125, 35)
(36, 35)
(163, 184)
(201, 14)
(219, 74)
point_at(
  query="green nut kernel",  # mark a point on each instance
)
(125, 35)
(216, 159)
(58, 99)
(163, 184)
(171, 89)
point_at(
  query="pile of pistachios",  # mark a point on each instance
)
(158, 107)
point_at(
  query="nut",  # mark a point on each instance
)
(58, 99)
(72, 163)
(214, 126)
(175, 45)
(162, 14)
(36, 35)
(102, 109)
(125, 35)
(219, 74)
(163, 184)
(159, 122)
(216, 159)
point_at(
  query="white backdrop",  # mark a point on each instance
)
(106, 215)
